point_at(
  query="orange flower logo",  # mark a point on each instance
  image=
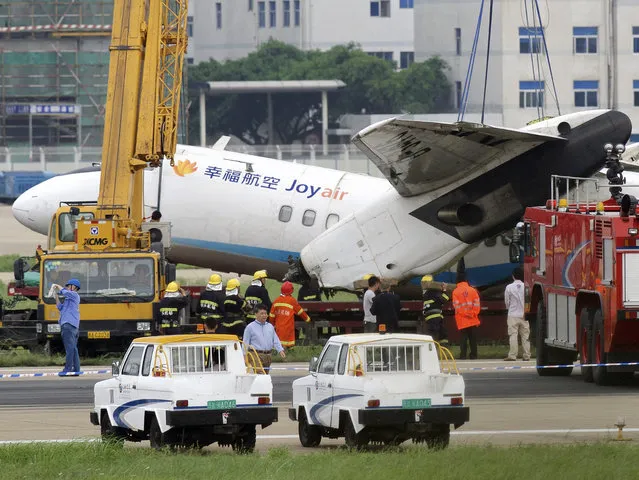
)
(184, 167)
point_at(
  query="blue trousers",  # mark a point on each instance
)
(70, 336)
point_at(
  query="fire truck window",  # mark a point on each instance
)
(528, 242)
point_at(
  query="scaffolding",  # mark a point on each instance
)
(53, 72)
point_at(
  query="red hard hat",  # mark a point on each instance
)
(287, 288)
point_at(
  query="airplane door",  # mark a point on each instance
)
(381, 233)
(322, 393)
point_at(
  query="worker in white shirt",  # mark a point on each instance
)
(517, 324)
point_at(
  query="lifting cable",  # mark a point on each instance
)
(552, 78)
(471, 63)
(531, 44)
(490, 31)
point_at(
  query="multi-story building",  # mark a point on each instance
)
(592, 45)
(53, 72)
(229, 29)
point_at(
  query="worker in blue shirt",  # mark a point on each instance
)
(69, 323)
(261, 335)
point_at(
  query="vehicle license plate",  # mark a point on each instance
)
(95, 334)
(221, 404)
(416, 403)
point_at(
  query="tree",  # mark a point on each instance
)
(372, 85)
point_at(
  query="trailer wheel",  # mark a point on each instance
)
(440, 438)
(546, 355)
(109, 433)
(600, 375)
(310, 435)
(585, 323)
(158, 439)
(352, 439)
(245, 442)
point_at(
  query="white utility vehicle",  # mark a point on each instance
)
(185, 391)
(384, 388)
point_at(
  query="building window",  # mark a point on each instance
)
(250, 5)
(458, 94)
(272, 14)
(218, 15)
(406, 59)
(285, 213)
(530, 39)
(635, 39)
(585, 39)
(406, 3)
(261, 14)
(298, 14)
(586, 93)
(635, 88)
(189, 26)
(383, 55)
(308, 219)
(458, 41)
(287, 13)
(380, 8)
(190, 61)
(531, 94)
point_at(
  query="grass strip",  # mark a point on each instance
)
(97, 460)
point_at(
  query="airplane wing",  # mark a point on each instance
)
(419, 157)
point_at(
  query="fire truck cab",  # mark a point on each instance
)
(581, 263)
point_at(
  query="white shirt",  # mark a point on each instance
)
(514, 298)
(369, 295)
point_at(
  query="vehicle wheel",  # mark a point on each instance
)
(352, 439)
(245, 442)
(158, 439)
(109, 433)
(600, 375)
(440, 438)
(546, 355)
(310, 435)
(585, 322)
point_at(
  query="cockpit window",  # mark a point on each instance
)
(67, 224)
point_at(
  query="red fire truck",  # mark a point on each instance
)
(581, 263)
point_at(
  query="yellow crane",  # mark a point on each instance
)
(106, 244)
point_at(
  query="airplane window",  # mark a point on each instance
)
(285, 213)
(331, 220)
(309, 218)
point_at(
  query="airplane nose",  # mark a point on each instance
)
(22, 207)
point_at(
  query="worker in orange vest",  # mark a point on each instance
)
(282, 315)
(466, 304)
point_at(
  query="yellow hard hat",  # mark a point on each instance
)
(215, 279)
(232, 284)
(367, 276)
(427, 278)
(260, 274)
(172, 287)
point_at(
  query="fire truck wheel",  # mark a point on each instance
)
(601, 376)
(585, 325)
(546, 355)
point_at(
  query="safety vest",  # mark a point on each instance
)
(282, 316)
(169, 309)
(466, 304)
(210, 306)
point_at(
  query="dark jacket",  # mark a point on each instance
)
(254, 295)
(434, 301)
(211, 305)
(308, 294)
(386, 307)
(169, 310)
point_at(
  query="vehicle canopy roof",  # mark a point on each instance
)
(377, 337)
(194, 338)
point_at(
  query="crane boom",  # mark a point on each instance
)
(145, 78)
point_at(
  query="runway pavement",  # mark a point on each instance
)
(507, 407)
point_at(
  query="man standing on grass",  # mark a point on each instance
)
(467, 308)
(69, 323)
(517, 324)
(261, 335)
